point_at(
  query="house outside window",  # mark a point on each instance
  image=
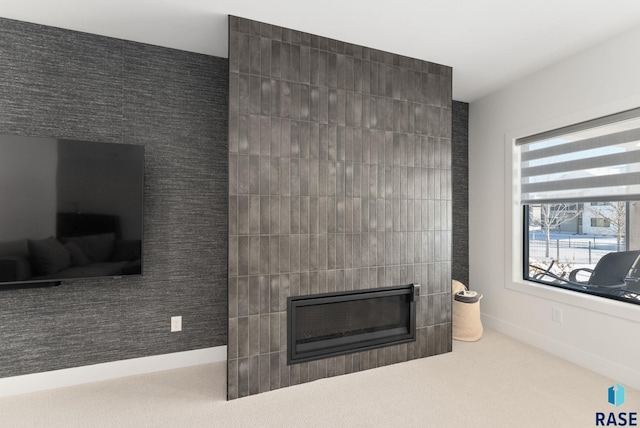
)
(580, 192)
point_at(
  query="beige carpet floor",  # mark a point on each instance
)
(496, 382)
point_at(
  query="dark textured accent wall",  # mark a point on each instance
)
(339, 179)
(460, 187)
(65, 84)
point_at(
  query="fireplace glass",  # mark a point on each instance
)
(325, 325)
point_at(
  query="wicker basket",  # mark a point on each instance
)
(466, 323)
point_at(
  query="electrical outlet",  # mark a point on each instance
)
(556, 314)
(176, 323)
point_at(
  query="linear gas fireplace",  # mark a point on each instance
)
(325, 325)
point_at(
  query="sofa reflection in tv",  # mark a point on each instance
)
(85, 246)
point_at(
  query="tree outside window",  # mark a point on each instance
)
(550, 216)
(612, 215)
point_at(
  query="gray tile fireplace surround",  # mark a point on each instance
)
(339, 179)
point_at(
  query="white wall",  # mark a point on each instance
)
(600, 334)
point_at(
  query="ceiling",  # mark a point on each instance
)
(489, 43)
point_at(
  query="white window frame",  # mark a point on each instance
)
(514, 222)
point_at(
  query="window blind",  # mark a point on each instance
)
(598, 160)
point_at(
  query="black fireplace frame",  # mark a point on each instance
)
(294, 356)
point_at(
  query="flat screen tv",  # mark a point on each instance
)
(69, 210)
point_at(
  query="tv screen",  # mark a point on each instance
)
(69, 209)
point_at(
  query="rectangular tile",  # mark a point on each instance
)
(274, 215)
(244, 53)
(294, 374)
(275, 59)
(314, 104)
(322, 72)
(323, 106)
(332, 107)
(305, 102)
(341, 107)
(265, 294)
(254, 255)
(284, 371)
(313, 173)
(295, 63)
(265, 372)
(285, 61)
(284, 293)
(304, 177)
(314, 211)
(285, 176)
(265, 210)
(304, 253)
(254, 340)
(243, 337)
(274, 331)
(274, 293)
(264, 268)
(253, 172)
(305, 64)
(294, 245)
(295, 177)
(254, 375)
(285, 242)
(285, 100)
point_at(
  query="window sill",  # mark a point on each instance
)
(614, 308)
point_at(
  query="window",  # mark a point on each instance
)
(580, 191)
(600, 222)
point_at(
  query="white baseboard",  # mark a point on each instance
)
(78, 375)
(611, 369)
